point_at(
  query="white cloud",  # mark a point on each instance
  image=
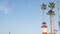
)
(3, 7)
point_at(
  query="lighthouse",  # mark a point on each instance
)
(44, 27)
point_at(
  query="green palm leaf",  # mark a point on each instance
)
(50, 12)
(43, 6)
(51, 5)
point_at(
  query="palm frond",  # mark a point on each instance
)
(50, 12)
(43, 6)
(51, 5)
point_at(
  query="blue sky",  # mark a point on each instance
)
(24, 16)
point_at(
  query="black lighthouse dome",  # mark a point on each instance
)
(44, 23)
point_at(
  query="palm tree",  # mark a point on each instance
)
(43, 7)
(51, 5)
(51, 13)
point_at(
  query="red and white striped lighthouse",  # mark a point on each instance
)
(44, 27)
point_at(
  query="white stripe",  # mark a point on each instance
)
(44, 30)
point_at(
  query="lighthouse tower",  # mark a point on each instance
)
(44, 27)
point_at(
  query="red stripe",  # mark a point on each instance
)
(44, 27)
(44, 32)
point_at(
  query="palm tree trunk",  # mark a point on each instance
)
(51, 23)
(59, 18)
(43, 16)
(59, 25)
(59, 13)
